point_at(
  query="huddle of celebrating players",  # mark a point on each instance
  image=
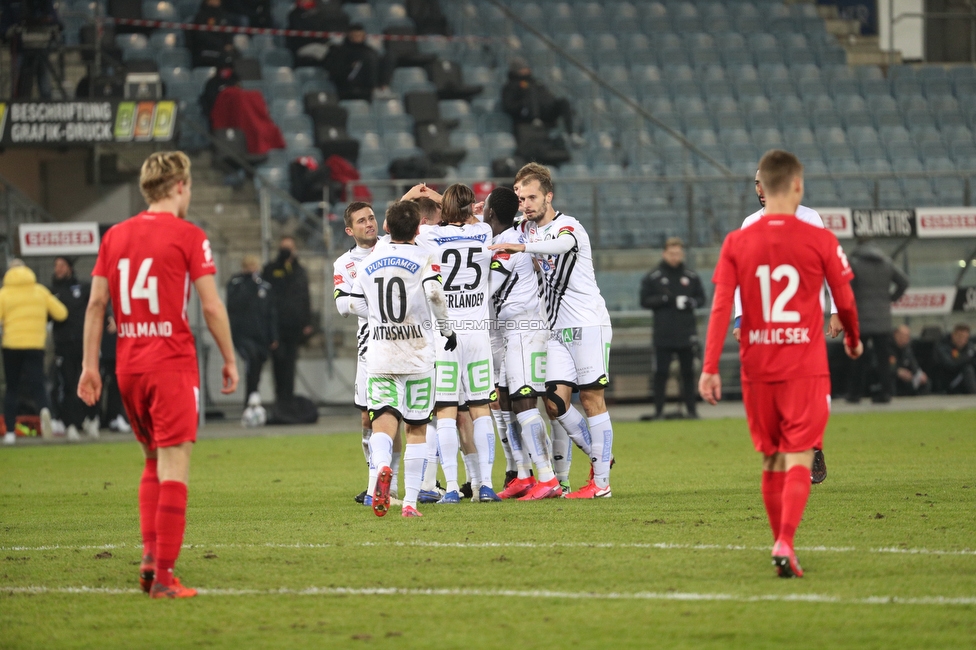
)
(519, 316)
(459, 308)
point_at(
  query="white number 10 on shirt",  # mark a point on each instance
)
(778, 314)
(145, 287)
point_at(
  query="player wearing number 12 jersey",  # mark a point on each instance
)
(779, 263)
(146, 264)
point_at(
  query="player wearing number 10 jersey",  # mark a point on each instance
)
(146, 265)
(779, 263)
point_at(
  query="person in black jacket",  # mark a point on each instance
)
(209, 48)
(253, 322)
(877, 283)
(955, 359)
(353, 66)
(318, 16)
(908, 378)
(68, 336)
(289, 287)
(528, 100)
(673, 292)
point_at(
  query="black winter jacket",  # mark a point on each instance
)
(70, 332)
(874, 273)
(251, 309)
(289, 288)
(673, 327)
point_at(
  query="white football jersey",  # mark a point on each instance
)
(571, 296)
(463, 255)
(401, 328)
(343, 275)
(516, 297)
(804, 214)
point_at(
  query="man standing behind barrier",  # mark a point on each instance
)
(253, 322)
(673, 292)
(68, 336)
(289, 286)
(874, 275)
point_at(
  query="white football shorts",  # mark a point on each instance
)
(579, 356)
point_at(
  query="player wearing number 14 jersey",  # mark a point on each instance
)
(779, 263)
(147, 264)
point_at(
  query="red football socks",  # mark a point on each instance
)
(170, 524)
(148, 502)
(796, 491)
(772, 493)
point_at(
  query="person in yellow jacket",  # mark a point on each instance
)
(25, 307)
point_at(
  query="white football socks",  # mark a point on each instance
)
(502, 422)
(366, 434)
(448, 447)
(602, 434)
(536, 443)
(562, 451)
(484, 440)
(395, 466)
(414, 460)
(575, 425)
(381, 454)
(430, 469)
(471, 470)
(523, 462)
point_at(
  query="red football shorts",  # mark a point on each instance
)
(787, 416)
(162, 406)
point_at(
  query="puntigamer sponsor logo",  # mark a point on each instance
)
(397, 262)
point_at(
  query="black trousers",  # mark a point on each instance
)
(67, 371)
(686, 358)
(110, 389)
(283, 359)
(254, 353)
(875, 358)
(23, 369)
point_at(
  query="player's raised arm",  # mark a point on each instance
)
(215, 314)
(90, 382)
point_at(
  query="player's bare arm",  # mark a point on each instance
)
(508, 247)
(218, 323)
(422, 191)
(90, 383)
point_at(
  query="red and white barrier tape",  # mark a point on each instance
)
(272, 31)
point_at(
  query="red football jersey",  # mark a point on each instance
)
(150, 262)
(779, 264)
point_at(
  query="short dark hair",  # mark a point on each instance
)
(674, 241)
(403, 219)
(428, 207)
(352, 209)
(504, 203)
(776, 169)
(961, 327)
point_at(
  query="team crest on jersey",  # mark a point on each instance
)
(351, 267)
(262, 293)
(76, 292)
(685, 281)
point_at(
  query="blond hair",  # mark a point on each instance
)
(161, 171)
(536, 172)
(777, 169)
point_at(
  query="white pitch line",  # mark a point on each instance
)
(529, 545)
(492, 593)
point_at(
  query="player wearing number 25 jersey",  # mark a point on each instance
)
(146, 264)
(779, 263)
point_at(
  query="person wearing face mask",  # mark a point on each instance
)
(528, 100)
(673, 291)
(289, 287)
(253, 322)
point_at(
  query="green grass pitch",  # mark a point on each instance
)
(679, 557)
